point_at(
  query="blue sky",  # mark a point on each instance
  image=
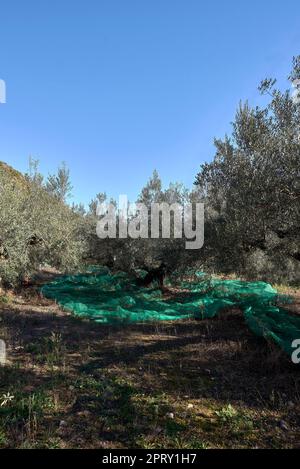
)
(117, 88)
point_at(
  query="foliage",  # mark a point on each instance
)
(146, 253)
(59, 185)
(36, 229)
(252, 188)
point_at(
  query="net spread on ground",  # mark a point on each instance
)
(116, 299)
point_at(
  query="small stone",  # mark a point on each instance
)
(170, 415)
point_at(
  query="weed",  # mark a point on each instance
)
(237, 422)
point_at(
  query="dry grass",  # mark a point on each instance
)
(188, 384)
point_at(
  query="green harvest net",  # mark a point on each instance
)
(115, 298)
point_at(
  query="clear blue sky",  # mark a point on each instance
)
(117, 88)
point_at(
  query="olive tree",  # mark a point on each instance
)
(36, 228)
(252, 187)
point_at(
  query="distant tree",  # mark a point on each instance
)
(33, 174)
(99, 199)
(59, 184)
(152, 191)
(79, 209)
(158, 256)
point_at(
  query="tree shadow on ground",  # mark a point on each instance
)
(222, 353)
